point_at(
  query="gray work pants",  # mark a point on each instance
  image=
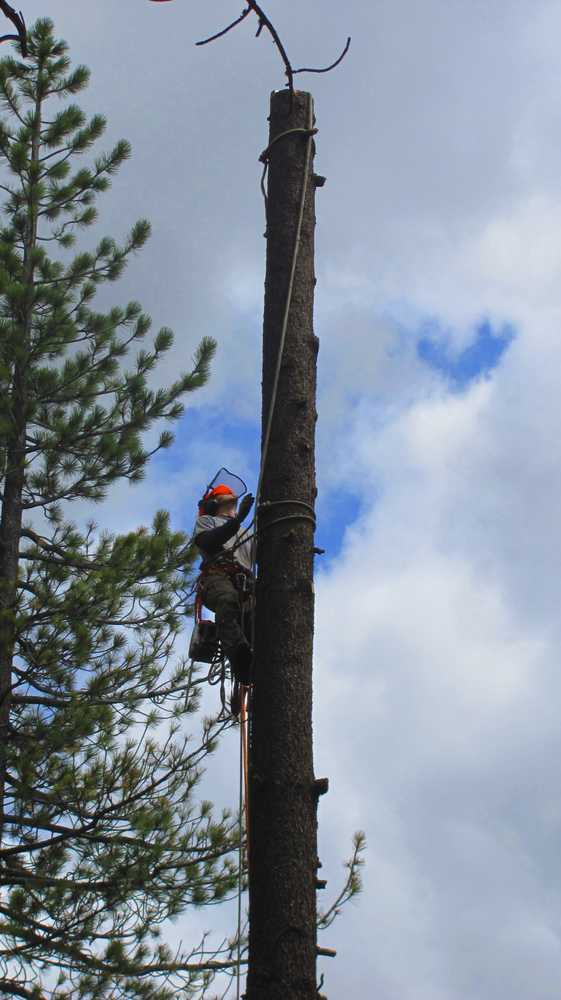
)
(219, 594)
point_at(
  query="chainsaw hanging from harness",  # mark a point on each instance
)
(204, 646)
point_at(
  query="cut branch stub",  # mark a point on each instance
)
(18, 21)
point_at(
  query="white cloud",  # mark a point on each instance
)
(436, 690)
(438, 638)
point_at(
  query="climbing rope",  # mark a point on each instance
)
(243, 809)
(266, 154)
(309, 132)
(307, 513)
(245, 748)
(240, 870)
(217, 675)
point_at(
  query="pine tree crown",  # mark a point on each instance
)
(73, 353)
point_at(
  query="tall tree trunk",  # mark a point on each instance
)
(14, 476)
(283, 797)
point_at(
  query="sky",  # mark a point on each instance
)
(438, 307)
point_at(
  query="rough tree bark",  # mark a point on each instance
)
(283, 793)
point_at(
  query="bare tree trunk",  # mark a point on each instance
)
(283, 794)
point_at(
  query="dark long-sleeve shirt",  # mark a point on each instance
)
(213, 535)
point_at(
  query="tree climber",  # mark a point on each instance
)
(226, 570)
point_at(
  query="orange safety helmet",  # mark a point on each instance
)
(214, 497)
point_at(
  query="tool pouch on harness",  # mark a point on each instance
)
(203, 646)
(242, 579)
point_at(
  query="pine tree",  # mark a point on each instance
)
(102, 839)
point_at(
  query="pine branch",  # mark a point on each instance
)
(352, 886)
(10, 989)
(48, 546)
(104, 841)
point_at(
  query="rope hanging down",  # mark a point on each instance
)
(309, 132)
(308, 512)
(240, 855)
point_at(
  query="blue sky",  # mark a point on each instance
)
(479, 358)
(223, 432)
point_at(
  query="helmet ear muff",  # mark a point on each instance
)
(208, 505)
(211, 506)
